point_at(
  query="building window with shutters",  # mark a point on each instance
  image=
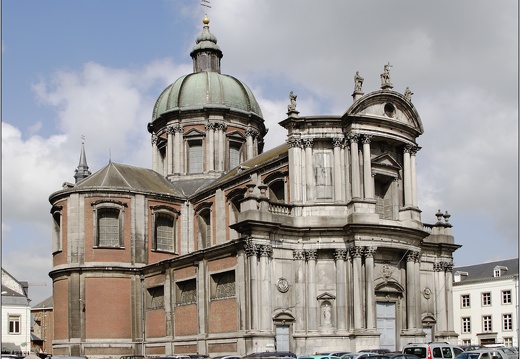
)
(164, 229)
(108, 223)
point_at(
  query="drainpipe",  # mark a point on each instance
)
(143, 321)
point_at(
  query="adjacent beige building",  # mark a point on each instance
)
(222, 248)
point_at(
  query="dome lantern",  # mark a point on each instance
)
(206, 54)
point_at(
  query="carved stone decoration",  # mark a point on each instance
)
(358, 82)
(308, 142)
(251, 248)
(299, 254)
(154, 139)
(294, 142)
(178, 128)
(387, 272)
(366, 138)
(339, 254)
(251, 132)
(427, 293)
(210, 126)
(311, 255)
(408, 94)
(337, 142)
(369, 251)
(170, 130)
(354, 137)
(282, 285)
(357, 252)
(266, 251)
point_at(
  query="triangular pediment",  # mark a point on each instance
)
(236, 134)
(326, 296)
(194, 132)
(387, 160)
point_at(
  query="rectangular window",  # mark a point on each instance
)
(466, 341)
(155, 297)
(56, 233)
(486, 323)
(14, 324)
(108, 227)
(506, 297)
(508, 341)
(235, 154)
(465, 301)
(486, 299)
(187, 292)
(466, 325)
(195, 157)
(223, 285)
(507, 322)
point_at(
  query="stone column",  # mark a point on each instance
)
(440, 293)
(169, 151)
(341, 293)
(177, 153)
(251, 250)
(295, 168)
(210, 147)
(410, 291)
(354, 156)
(221, 133)
(249, 143)
(413, 170)
(266, 253)
(368, 181)
(407, 176)
(312, 308)
(358, 295)
(369, 288)
(395, 199)
(309, 169)
(155, 153)
(338, 183)
(449, 295)
(350, 291)
(417, 291)
(299, 289)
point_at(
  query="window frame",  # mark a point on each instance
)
(108, 205)
(486, 299)
(507, 297)
(465, 301)
(193, 142)
(487, 324)
(507, 322)
(14, 324)
(204, 216)
(155, 297)
(237, 145)
(323, 158)
(184, 286)
(57, 231)
(465, 325)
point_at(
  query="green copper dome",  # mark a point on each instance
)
(206, 87)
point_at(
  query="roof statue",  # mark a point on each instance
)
(385, 77)
(408, 94)
(358, 82)
(292, 106)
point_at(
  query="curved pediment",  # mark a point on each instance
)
(388, 106)
(388, 285)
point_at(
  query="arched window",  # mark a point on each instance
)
(56, 229)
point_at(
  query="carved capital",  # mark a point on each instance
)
(294, 142)
(154, 139)
(311, 254)
(340, 254)
(369, 251)
(356, 252)
(299, 254)
(251, 248)
(354, 138)
(366, 138)
(337, 142)
(251, 132)
(210, 126)
(308, 142)
(266, 251)
(170, 130)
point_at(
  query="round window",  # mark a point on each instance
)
(389, 110)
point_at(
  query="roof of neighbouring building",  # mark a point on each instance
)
(45, 304)
(485, 270)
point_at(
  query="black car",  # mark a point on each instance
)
(271, 355)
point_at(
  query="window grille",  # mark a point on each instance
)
(108, 227)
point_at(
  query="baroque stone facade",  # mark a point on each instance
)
(221, 248)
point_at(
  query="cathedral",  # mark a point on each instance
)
(221, 248)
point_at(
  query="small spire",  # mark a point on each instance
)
(206, 54)
(82, 170)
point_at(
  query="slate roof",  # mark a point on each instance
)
(45, 304)
(485, 270)
(121, 176)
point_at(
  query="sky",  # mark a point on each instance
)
(91, 70)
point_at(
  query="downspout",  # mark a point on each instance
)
(143, 321)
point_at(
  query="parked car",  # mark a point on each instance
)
(471, 347)
(318, 356)
(403, 356)
(486, 353)
(378, 351)
(337, 354)
(227, 357)
(271, 355)
(356, 355)
(432, 350)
